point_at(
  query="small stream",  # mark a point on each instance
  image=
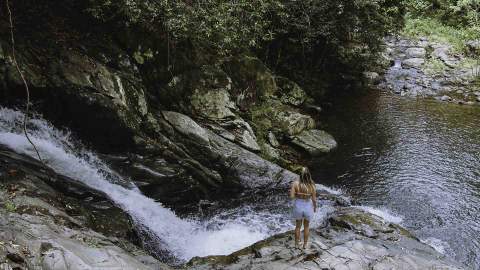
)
(416, 158)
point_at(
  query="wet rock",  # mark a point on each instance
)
(51, 230)
(352, 239)
(315, 142)
(415, 53)
(413, 62)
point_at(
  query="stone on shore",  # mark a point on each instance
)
(315, 142)
(413, 62)
(415, 52)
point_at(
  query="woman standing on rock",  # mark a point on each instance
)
(303, 193)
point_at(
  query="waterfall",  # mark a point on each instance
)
(183, 238)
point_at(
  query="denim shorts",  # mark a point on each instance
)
(302, 209)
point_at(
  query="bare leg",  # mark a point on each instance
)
(298, 226)
(306, 232)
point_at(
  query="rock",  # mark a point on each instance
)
(445, 98)
(186, 126)
(473, 47)
(372, 77)
(270, 151)
(273, 140)
(42, 234)
(478, 98)
(315, 142)
(352, 239)
(244, 134)
(213, 104)
(253, 77)
(477, 94)
(250, 170)
(415, 52)
(413, 62)
(442, 52)
(290, 92)
(292, 123)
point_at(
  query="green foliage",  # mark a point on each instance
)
(10, 206)
(455, 13)
(435, 30)
(324, 39)
(222, 26)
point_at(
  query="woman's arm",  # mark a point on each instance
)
(292, 191)
(314, 200)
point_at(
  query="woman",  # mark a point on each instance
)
(304, 194)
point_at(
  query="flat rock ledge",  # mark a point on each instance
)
(350, 239)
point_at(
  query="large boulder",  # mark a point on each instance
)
(250, 170)
(315, 142)
(186, 126)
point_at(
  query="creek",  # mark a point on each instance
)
(417, 159)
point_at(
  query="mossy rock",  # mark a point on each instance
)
(251, 78)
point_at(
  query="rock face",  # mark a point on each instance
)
(315, 142)
(351, 239)
(246, 168)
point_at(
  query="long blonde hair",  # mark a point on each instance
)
(306, 183)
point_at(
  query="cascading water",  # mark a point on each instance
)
(227, 232)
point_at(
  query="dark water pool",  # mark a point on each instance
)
(419, 159)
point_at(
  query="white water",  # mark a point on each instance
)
(384, 213)
(225, 233)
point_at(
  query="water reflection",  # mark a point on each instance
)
(418, 158)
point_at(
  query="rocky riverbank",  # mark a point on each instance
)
(349, 239)
(52, 222)
(422, 68)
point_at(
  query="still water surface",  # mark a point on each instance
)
(419, 159)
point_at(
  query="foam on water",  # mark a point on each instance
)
(382, 212)
(183, 238)
(437, 244)
(331, 190)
